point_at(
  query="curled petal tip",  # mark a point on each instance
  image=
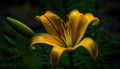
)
(96, 21)
(90, 46)
(37, 18)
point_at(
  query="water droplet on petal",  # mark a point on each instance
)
(41, 38)
(33, 48)
(49, 24)
(88, 42)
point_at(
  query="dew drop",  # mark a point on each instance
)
(33, 48)
(49, 24)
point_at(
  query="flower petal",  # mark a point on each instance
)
(46, 39)
(51, 22)
(83, 24)
(55, 54)
(90, 45)
(73, 21)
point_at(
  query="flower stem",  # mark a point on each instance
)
(71, 60)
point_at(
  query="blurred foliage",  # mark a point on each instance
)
(14, 47)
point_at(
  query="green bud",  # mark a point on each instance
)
(20, 27)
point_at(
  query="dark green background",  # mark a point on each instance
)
(20, 56)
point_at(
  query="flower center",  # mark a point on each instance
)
(65, 33)
(68, 40)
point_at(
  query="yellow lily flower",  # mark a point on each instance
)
(66, 36)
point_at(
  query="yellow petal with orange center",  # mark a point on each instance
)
(68, 34)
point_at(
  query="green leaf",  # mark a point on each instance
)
(9, 41)
(20, 27)
(12, 45)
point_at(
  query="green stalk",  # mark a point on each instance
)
(71, 60)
